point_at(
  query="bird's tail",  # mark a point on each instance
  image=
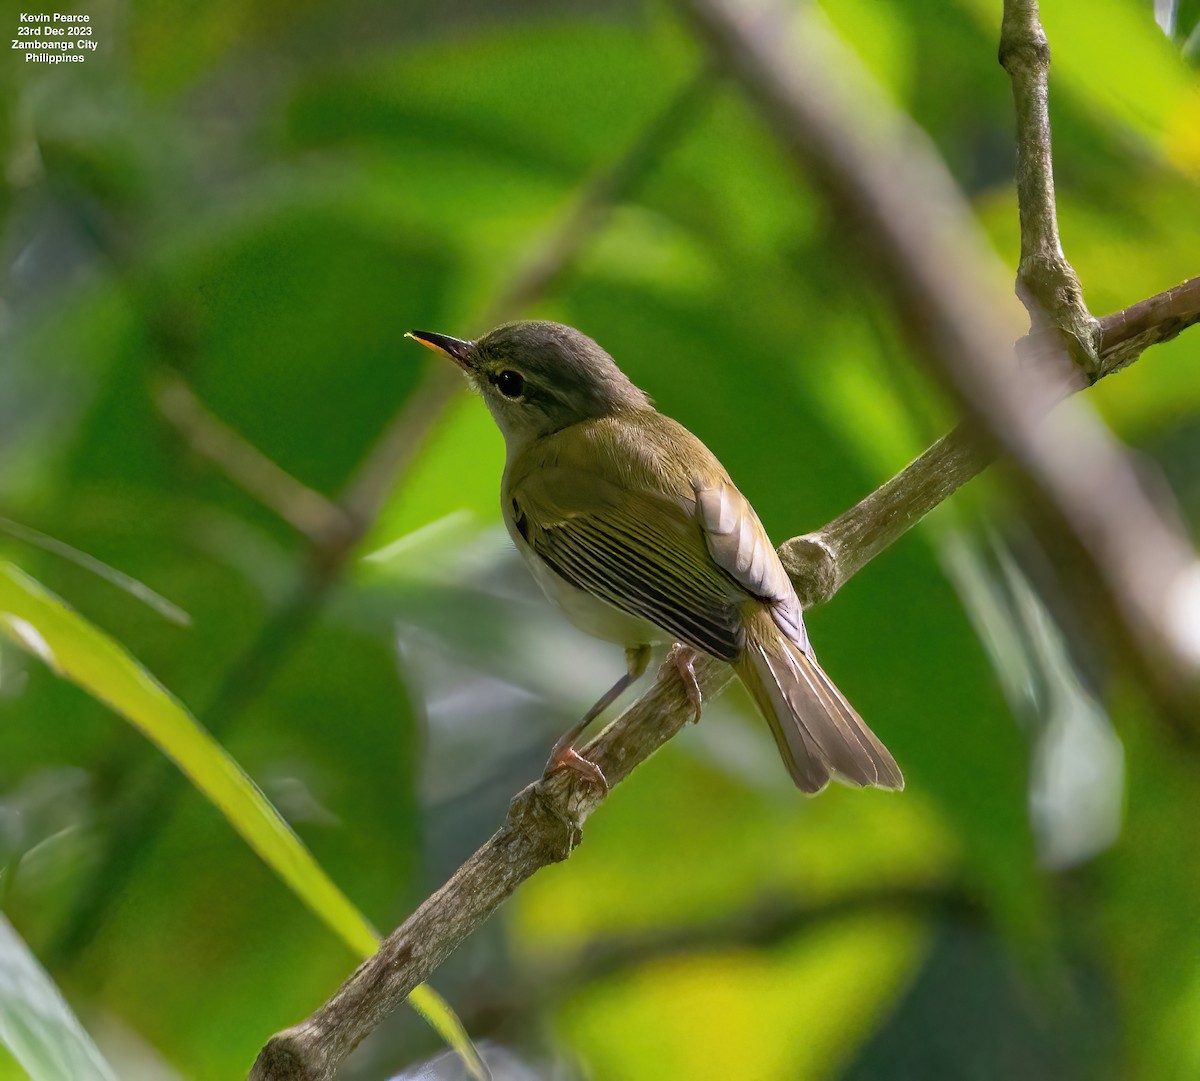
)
(819, 734)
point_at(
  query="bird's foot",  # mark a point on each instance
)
(570, 759)
(684, 660)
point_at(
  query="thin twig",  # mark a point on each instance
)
(594, 202)
(1157, 319)
(303, 508)
(1046, 282)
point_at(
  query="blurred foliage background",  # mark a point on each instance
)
(241, 207)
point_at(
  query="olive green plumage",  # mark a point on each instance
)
(634, 529)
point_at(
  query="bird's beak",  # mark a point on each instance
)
(456, 349)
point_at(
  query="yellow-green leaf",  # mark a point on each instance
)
(43, 624)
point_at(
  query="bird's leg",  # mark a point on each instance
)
(684, 659)
(564, 755)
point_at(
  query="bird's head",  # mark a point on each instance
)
(538, 377)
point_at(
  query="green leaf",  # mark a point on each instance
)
(42, 624)
(36, 1024)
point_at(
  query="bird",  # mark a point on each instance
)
(634, 529)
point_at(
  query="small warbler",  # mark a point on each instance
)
(633, 528)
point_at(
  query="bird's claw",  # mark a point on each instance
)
(570, 759)
(684, 660)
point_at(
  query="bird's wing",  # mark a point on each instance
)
(680, 547)
(740, 546)
(641, 550)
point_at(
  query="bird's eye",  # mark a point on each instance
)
(510, 383)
